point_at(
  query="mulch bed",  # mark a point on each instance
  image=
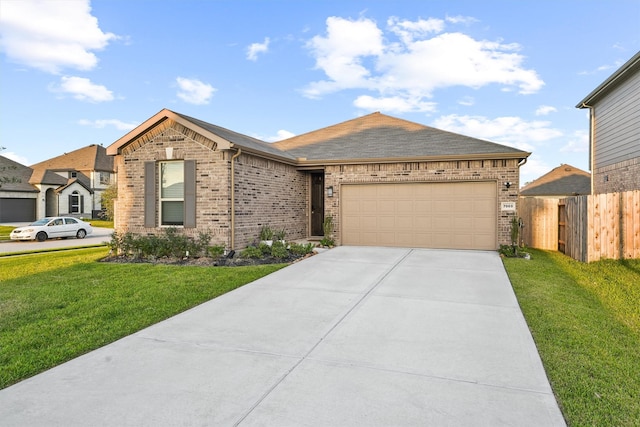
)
(208, 261)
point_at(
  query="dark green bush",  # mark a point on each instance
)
(251, 252)
(279, 250)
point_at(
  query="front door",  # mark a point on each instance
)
(317, 203)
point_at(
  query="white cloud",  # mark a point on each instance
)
(16, 158)
(577, 143)
(511, 131)
(544, 110)
(359, 55)
(102, 123)
(255, 48)
(533, 169)
(83, 89)
(194, 91)
(467, 101)
(51, 35)
(280, 135)
(394, 104)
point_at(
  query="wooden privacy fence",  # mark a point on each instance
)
(586, 228)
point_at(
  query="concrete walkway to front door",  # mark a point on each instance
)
(350, 337)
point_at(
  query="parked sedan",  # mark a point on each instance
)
(52, 228)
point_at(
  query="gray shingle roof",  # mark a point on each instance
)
(15, 176)
(238, 139)
(380, 136)
(565, 180)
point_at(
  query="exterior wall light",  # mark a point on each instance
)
(507, 184)
(329, 191)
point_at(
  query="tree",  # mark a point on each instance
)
(106, 201)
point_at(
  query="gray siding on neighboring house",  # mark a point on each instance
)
(617, 128)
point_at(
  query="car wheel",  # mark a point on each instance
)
(41, 236)
(81, 234)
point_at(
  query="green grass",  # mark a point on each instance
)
(5, 230)
(585, 319)
(57, 306)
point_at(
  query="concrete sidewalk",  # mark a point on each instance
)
(350, 337)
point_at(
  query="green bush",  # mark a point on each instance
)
(264, 249)
(251, 252)
(171, 243)
(215, 251)
(266, 233)
(300, 249)
(279, 250)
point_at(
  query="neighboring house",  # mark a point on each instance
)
(615, 130)
(382, 180)
(18, 198)
(563, 181)
(72, 184)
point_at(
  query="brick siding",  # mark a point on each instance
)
(269, 193)
(212, 182)
(499, 171)
(619, 177)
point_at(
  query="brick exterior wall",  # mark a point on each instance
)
(269, 193)
(499, 171)
(212, 181)
(272, 193)
(619, 177)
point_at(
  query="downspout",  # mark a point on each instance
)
(233, 200)
(592, 137)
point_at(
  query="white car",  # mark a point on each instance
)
(52, 228)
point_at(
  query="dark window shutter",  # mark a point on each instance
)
(70, 204)
(81, 204)
(150, 194)
(189, 193)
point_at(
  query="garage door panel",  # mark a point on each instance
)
(460, 215)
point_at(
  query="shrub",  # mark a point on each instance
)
(279, 250)
(215, 251)
(170, 244)
(280, 234)
(251, 252)
(264, 248)
(299, 249)
(266, 233)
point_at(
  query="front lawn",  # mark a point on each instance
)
(57, 306)
(585, 319)
(5, 230)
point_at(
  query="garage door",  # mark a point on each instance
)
(17, 210)
(459, 215)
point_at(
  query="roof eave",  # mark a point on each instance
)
(263, 154)
(304, 163)
(613, 79)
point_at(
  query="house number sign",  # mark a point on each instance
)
(508, 206)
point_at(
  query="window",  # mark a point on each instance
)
(105, 178)
(172, 193)
(176, 199)
(76, 203)
(73, 174)
(70, 221)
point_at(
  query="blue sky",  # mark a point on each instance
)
(75, 72)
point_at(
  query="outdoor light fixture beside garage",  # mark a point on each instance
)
(329, 191)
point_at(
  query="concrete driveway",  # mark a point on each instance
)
(350, 337)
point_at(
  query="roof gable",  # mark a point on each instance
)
(565, 180)
(223, 138)
(378, 136)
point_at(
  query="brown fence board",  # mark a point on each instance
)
(587, 228)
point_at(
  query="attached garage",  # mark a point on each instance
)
(447, 215)
(17, 209)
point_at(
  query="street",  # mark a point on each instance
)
(98, 236)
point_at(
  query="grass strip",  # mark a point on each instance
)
(57, 306)
(585, 320)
